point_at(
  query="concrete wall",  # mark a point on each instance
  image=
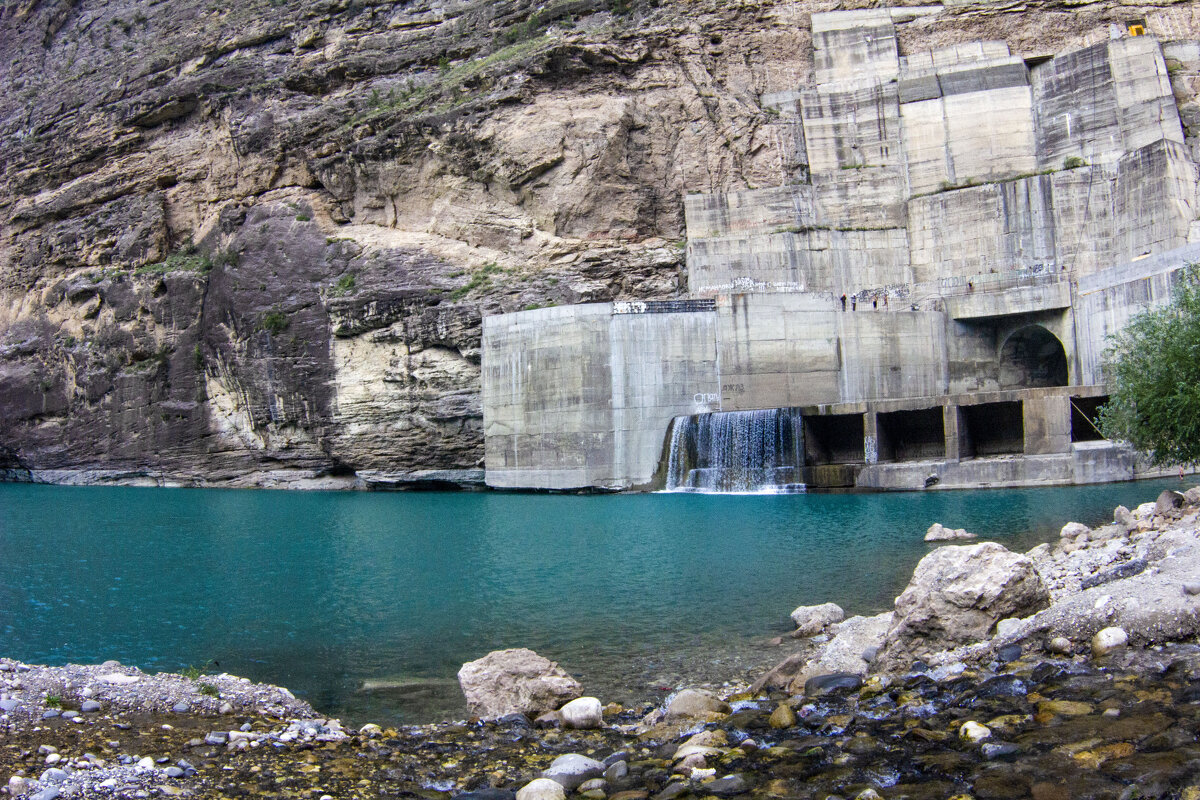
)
(1108, 299)
(580, 396)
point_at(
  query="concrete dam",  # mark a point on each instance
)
(924, 304)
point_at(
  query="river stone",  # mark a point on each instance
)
(939, 533)
(811, 620)
(50, 793)
(487, 794)
(957, 593)
(782, 717)
(90, 706)
(542, 789)
(1168, 501)
(1107, 640)
(1060, 645)
(845, 651)
(515, 681)
(582, 713)
(1123, 517)
(616, 771)
(694, 703)
(1073, 530)
(729, 786)
(823, 684)
(1189, 587)
(573, 769)
(974, 732)
(181, 707)
(53, 775)
(9, 704)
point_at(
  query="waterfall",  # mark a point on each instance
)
(737, 452)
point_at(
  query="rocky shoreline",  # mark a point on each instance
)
(1069, 671)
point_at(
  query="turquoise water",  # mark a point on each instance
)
(322, 591)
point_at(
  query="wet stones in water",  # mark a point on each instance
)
(994, 750)
(90, 706)
(542, 789)
(572, 769)
(488, 794)
(1001, 686)
(729, 786)
(1008, 653)
(692, 703)
(836, 681)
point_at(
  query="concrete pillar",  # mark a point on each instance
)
(1047, 424)
(870, 437)
(950, 430)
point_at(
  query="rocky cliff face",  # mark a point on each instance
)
(254, 243)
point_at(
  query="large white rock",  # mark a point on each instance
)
(939, 533)
(542, 789)
(515, 681)
(811, 620)
(582, 713)
(956, 595)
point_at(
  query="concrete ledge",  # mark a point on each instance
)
(1007, 302)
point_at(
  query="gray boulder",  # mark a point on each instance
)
(516, 681)
(956, 595)
(811, 620)
(1168, 501)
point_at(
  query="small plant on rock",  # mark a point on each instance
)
(208, 690)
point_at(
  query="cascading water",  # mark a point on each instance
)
(737, 452)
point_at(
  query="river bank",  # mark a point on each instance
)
(932, 712)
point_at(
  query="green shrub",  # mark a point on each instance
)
(1152, 368)
(273, 322)
(1073, 162)
(344, 285)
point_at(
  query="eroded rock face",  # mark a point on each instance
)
(956, 595)
(516, 681)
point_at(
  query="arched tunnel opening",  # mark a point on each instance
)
(1032, 357)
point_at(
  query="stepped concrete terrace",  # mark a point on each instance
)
(934, 298)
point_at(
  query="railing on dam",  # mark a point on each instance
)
(664, 306)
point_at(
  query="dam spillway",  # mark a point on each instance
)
(737, 452)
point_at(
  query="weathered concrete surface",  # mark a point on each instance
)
(581, 396)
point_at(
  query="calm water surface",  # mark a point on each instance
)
(323, 591)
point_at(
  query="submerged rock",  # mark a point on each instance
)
(516, 681)
(939, 533)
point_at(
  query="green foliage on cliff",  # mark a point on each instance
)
(1153, 373)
